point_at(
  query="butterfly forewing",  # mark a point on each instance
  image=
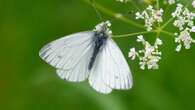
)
(70, 55)
(80, 70)
(65, 52)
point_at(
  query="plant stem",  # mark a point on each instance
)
(165, 24)
(157, 4)
(167, 33)
(115, 15)
(132, 34)
(158, 34)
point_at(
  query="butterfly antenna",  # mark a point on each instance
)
(96, 10)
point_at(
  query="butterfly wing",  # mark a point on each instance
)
(70, 55)
(116, 72)
(80, 70)
(96, 76)
(110, 70)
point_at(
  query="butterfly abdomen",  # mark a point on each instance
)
(99, 40)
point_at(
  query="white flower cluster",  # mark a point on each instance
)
(149, 56)
(185, 39)
(170, 2)
(185, 23)
(150, 16)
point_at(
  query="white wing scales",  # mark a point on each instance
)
(70, 55)
(110, 70)
(117, 74)
(96, 76)
(64, 53)
(80, 70)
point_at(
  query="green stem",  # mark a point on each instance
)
(157, 34)
(132, 34)
(165, 24)
(115, 15)
(157, 4)
(167, 33)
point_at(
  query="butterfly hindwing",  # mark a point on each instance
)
(110, 70)
(117, 74)
(96, 76)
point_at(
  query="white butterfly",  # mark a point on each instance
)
(91, 55)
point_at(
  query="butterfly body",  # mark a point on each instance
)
(99, 41)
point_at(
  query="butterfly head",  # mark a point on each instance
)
(104, 27)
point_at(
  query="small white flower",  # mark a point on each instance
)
(171, 2)
(179, 23)
(184, 39)
(150, 16)
(149, 56)
(139, 16)
(152, 63)
(178, 48)
(140, 38)
(150, 7)
(132, 53)
(175, 34)
(178, 10)
(193, 3)
(142, 65)
(193, 29)
(158, 42)
(158, 15)
(148, 49)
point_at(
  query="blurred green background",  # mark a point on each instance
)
(28, 83)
